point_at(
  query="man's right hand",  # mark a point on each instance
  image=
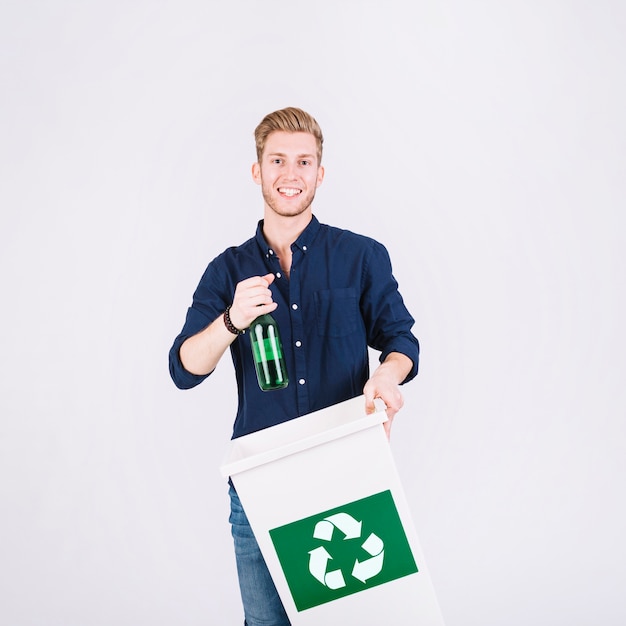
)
(253, 297)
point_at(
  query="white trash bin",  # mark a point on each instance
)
(327, 507)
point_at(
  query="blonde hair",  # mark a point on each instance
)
(291, 120)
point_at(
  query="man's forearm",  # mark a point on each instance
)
(397, 366)
(201, 353)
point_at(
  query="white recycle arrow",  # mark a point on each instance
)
(351, 528)
(344, 522)
(364, 570)
(318, 560)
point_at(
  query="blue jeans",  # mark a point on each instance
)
(261, 603)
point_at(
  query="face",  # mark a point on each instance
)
(289, 172)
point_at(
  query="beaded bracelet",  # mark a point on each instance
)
(231, 327)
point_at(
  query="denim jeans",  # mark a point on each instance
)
(261, 603)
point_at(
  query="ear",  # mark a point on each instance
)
(320, 175)
(256, 173)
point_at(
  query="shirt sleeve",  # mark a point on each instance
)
(182, 378)
(387, 319)
(209, 301)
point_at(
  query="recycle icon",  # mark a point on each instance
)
(319, 558)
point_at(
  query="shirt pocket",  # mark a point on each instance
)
(337, 311)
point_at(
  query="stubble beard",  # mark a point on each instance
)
(294, 209)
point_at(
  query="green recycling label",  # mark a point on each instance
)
(343, 551)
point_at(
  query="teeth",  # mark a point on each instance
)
(289, 192)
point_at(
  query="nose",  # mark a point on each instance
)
(290, 171)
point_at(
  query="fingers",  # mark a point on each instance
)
(384, 389)
(387, 426)
(370, 407)
(252, 298)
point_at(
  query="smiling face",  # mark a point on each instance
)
(289, 172)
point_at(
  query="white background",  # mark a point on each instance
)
(482, 142)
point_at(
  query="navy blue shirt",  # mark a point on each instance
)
(340, 298)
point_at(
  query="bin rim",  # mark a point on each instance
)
(232, 467)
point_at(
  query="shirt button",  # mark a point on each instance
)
(294, 307)
(302, 381)
(298, 343)
(304, 248)
(278, 274)
(271, 251)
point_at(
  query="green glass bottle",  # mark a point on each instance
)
(267, 351)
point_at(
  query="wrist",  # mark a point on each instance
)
(229, 323)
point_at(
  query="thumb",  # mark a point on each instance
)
(269, 278)
(370, 407)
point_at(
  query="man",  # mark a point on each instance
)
(332, 294)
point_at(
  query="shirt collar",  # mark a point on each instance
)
(303, 242)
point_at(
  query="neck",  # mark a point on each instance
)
(281, 231)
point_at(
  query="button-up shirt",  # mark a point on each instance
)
(340, 298)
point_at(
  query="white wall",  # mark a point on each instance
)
(482, 142)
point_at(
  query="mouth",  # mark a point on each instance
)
(290, 192)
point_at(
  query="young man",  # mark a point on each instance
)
(332, 294)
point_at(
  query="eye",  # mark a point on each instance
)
(276, 161)
(305, 162)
